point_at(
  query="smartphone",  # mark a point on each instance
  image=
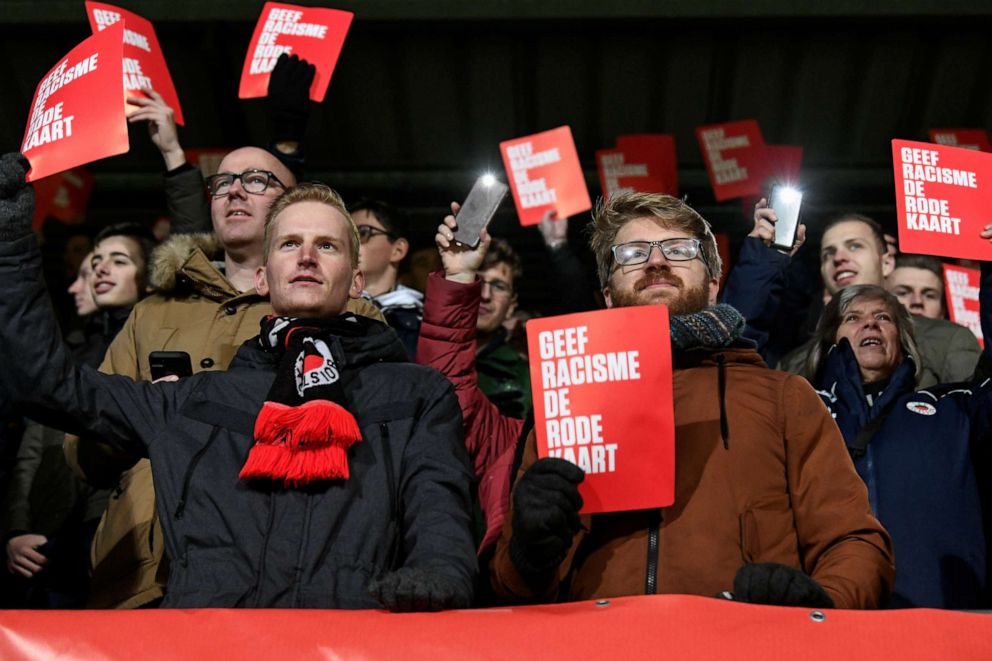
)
(165, 363)
(478, 209)
(785, 201)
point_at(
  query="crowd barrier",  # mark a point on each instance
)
(673, 627)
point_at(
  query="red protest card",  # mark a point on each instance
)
(644, 163)
(76, 116)
(783, 163)
(734, 156)
(315, 34)
(544, 173)
(977, 139)
(144, 63)
(63, 196)
(961, 287)
(591, 375)
(943, 199)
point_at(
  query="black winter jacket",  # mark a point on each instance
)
(234, 543)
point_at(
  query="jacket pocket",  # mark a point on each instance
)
(769, 535)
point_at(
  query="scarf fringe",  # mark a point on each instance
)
(301, 444)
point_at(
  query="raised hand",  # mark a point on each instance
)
(460, 262)
(161, 126)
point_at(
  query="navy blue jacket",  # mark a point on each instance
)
(922, 476)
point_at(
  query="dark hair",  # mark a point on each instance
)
(137, 232)
(876, 229)
(501, 252)
(925, 262)
(826, 330)
(392, 219)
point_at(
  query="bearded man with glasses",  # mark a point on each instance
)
(206, 305)
(768, 508)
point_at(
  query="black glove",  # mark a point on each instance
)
(778, 585)
(546, 504)
(289, 98)
(409, 590)
(16, 197)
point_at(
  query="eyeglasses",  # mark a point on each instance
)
(638, 252)
(366, 232)
(255, 182)
(497, 287)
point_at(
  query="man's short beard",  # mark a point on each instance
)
(688, 300)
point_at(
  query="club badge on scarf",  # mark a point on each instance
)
(304, 430)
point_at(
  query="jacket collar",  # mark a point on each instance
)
(183, 263)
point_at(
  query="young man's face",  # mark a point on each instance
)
(684, 286)
(498, 298)
(376, 253)
(850, 255)
(239, 216)
(309, 271)
(118, 272)
(82, 292)
(921, 291)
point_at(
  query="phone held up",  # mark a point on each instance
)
(170, 363)
(478, 209)
(785, 201)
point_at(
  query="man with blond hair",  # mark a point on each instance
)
(767, 503)
(318, 471)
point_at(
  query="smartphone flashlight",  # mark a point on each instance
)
(487, 180)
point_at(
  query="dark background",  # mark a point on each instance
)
(425, 91)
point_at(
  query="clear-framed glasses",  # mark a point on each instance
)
(253, 181)
(366, 232)
(498, 287)
(638, 252)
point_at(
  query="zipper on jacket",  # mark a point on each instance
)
(188, 477)
(302, 552)
(394, 506)
(654, 532)
(721, 375)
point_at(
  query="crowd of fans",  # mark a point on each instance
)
(357, 429)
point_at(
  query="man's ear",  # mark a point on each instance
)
(261, 282)
(511, 308)
(888, 264)
(357, 284)
(714, 290)
(607, 297)
(400, 248)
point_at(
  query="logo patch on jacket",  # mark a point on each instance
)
(923, 408)
(314, 366)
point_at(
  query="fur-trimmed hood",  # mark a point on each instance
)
(168, 259)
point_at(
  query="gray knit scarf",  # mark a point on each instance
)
(714, 327)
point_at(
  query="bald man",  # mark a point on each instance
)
(205, 305)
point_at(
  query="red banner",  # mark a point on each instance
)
(544, 173)
(63, 196)
(75, 114)
(144, 64)
(590, 373)
(943, 199)
(961, 287)
(644, 163)
(976, 139)
(315, 34)
(683, 627)
(734, 153)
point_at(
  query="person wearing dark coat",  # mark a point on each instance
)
(319, 471)
(923, 453)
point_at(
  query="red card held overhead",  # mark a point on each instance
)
(977, 139)
(315, 34)
(943, 199)
(76, 115)
(961, 287)
(643, 163)
(734, 153)
(591, 375)
(544, 173)
(144, 63)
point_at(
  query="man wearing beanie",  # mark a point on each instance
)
(768, 508)
(318, 471)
